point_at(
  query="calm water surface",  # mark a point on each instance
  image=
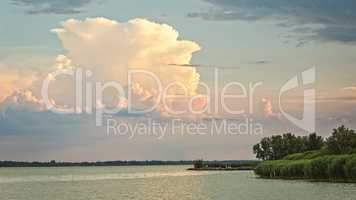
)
(157, 182)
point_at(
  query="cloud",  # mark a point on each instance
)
(12, 80)
(308, 19)
(20, 88)
(22, 100)
(53, 6)
(261, 62)
(110, 49)
(62, 62)
(337, 99)
(351, 88)
(268, 108)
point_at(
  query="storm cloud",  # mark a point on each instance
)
(325, 20)
(53, 6)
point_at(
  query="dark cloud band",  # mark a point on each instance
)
(334, 20)
(53, 6)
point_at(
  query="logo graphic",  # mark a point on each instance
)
(302, 80)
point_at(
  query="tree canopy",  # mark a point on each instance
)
(278, 146)
(342, 141)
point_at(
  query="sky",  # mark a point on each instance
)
(198, 51)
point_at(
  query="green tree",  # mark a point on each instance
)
(342, 141)
(278, 146)
(263, 150)
(198, 164)
(313, 142)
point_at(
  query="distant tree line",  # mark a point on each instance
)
(342, 141)
(53, 163)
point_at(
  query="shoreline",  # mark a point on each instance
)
(222, 169)
(309, 180)
(54, 163)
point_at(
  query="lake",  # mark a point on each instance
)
(157, 182)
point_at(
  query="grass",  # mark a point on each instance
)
(305, 155)
(311, 165)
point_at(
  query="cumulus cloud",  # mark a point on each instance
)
(110, 49)
(20, 89)
(351, 88)
(53, 6)
(268, 108)
(12, 80)
(330, 20)
(62, 62)
(22, 100)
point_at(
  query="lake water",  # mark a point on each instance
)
(157, 182)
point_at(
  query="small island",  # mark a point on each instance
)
(311, 157)
(240, 165)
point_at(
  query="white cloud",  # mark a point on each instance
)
(268, 108)
(62, 62)
(352, 88)
(22, 100)
(12, 80)
(110, 49)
